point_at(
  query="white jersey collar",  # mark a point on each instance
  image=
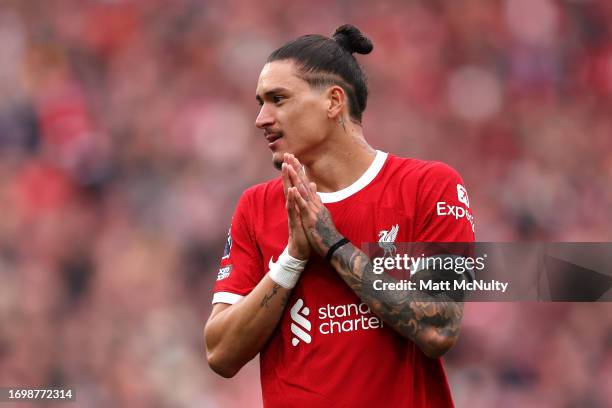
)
(365, 179)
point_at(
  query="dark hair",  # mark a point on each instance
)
(324, 61)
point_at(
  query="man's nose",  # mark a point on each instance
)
(264, 118)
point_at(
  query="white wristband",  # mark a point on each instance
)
(287, 270)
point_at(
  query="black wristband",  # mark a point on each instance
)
(334, 248)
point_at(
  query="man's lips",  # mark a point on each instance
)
(273, 137)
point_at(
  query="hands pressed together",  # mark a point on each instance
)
(310, 224)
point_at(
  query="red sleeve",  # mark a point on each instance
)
(443, 211)
(241, 266)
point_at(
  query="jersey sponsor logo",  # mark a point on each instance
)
(386, 239)
(300, 327)
(331, 320)
(228, 244)
(347, 318)
(462, 195)
(444, 209)
(224, 272)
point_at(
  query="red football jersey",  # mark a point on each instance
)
(329, 349)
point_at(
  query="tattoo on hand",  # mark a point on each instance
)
(324, 227)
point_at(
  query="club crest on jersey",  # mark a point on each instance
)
(462, 195)
(386, 240)
(228, 244)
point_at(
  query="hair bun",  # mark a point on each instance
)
(351, 39)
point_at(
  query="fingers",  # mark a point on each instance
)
(296, 182)
(285, 177)
(296, 177)
(313, 188)
(292, 161)
(295, 164)
(299, 169)
(290, 206)
(301, 203)
(293, 212)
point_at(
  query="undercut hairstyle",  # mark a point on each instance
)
(323, 61)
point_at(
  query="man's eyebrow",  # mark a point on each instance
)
(271, 92)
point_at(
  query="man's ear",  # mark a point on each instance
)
(337, 100)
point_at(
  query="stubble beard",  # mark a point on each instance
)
(278, 164)
(278, 159)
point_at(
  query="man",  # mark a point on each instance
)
(294, 285)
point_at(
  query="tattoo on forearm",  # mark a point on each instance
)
(410, 313)
(266, 299)
(407, 313)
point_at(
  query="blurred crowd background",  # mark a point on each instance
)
(127, 136)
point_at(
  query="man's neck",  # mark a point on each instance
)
(343, 160)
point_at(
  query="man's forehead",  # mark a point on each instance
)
(278, 74)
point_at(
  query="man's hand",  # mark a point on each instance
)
(432, 325)
(298, 244)
(315, 218)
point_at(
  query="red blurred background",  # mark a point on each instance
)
(126, 137)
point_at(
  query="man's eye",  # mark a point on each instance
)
(277, 98)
